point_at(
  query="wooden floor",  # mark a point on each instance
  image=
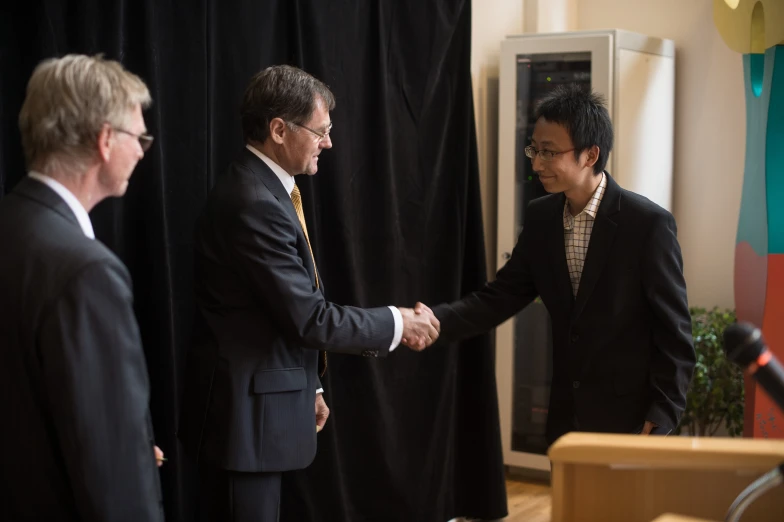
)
(528, 501)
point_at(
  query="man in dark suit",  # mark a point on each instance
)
(76, 438)
(607, 265)
(252, 374)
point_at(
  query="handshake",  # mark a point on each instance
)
(420, 327)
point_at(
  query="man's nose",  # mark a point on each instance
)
(537, 164)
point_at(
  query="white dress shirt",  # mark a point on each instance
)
(79, 211)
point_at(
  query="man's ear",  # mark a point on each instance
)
(592, 156)
(105, 141)
(278, 130)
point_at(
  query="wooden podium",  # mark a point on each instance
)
(633, 478)
(671, 517)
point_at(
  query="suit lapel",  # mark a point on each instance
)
(558, 253)
(272, 183)
(277, 189)
(602, 237)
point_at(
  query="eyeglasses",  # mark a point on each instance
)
(321, 135)
(145, 140)
(544, 155)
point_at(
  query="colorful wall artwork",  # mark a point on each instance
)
(755, 28)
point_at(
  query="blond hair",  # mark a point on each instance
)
(68, 101)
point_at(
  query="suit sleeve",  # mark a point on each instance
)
(511, 291)
(263, 239)
(97, 390)
(673, 359)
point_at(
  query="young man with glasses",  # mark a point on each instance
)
(607, 265)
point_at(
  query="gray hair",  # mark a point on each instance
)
(284, 92)
(68, 101)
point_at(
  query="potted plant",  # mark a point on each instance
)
(715, 396)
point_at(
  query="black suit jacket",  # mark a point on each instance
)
(251, 376)
(622, 350)
(76, 442)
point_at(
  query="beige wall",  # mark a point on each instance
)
(709, 124)
(710, 130)
(491, 21)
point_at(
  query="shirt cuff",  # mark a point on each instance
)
(398, 328)
(320, 390)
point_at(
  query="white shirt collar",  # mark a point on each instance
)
(79, 211)
(284, 177)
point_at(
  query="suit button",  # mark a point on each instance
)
(575, 338)
(576, 384)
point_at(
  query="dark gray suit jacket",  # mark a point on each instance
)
(251, 375)
(622, 350)
(76, 442)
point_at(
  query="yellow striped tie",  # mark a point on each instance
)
(296, 198)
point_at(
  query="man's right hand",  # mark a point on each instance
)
(420, 327)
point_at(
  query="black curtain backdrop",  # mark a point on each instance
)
(394, 214)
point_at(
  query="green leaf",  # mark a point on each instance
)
(716, 393)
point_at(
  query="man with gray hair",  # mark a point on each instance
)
(77, 442)
(252, 404)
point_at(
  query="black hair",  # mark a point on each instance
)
(584, 115)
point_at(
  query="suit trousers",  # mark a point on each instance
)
(234, 496)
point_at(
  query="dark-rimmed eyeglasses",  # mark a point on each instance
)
(321, 135)
(145, 140)
(544, 155)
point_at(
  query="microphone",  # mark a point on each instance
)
(744, 345)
